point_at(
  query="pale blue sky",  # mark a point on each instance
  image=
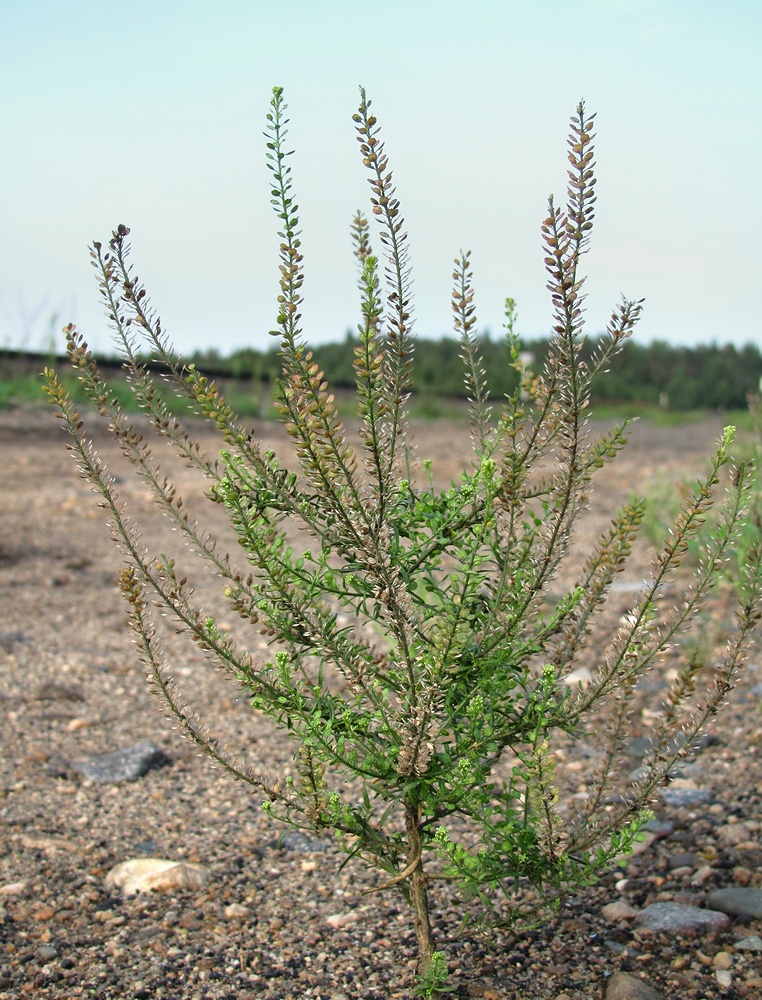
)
(151, 114)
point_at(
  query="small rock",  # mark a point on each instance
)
(638, 747)
(681, 797)
(738, 900)
(722, 960)
(749, 856)
(80, 722)
(337, 920)
(732, 834)
(581, 676)
(46, 953)
(156, 875)
(685, 859)
(48, 844)
(52, 691)
(618, 910)
(12, 888)
(300, 843)
(751, 943)
(662, 828)
(128, 764)
(624, 987)
(742, 875)
(724, 978)
(678, 918)
(237, 911)
(702, 874)
(617, 947)
(9, 639)
(147, 847)
(678, 873)
(642, 844)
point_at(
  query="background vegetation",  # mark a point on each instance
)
(675, 379)
(678, 378)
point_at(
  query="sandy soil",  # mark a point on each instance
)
(276, 920)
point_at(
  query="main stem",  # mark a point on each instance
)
(417, 883)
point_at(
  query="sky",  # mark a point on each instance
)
(150, 114)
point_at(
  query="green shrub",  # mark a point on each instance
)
(425, 731)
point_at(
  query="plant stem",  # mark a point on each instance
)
(419, 897)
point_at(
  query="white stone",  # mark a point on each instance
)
(579, 677)
(337, 920)
(47, 844)
(12, 888)
(156, 875)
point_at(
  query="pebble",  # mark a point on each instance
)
(722, 960)
(48, 844)
(751, 943)
(127, 764)
(738, 900)
(237, 911)
(702, 874)
(677, 918)
(621, 986)
(52, 691)
(300, 843)
(581, 676)
(12, 888)
(642, 844)
(337, 920)
(9, 639)
(638, 747)
(681, 797)
(618, 910)
(661, 827)
(80, 722)
(742, 875)
(685, 859)
(682, 872)
(733, 834)
(724, 978)
(156, 875)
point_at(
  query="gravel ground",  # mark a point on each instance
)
(274, 918)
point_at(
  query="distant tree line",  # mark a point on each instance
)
(680, 378)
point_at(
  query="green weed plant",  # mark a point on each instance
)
(419, 650)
